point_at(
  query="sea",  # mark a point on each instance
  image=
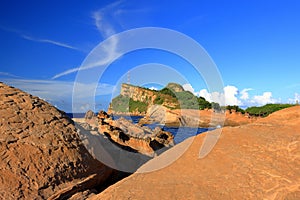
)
(180, 134)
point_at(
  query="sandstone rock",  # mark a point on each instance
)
(137, 93)
(91, 121)
(260, 160)
(41, 154)
(89, 115)
(193, 118)
(127, 134)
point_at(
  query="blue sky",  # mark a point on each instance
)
(255, 45)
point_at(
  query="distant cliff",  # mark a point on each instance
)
(138, 93)
(136, 100)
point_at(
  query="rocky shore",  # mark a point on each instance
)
(260, 160)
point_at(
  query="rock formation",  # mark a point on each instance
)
(40, 151)
(138, 93)
(140, 139)
(193, 118)
(120, 144)
(89, 115)
(143, 96)
(260, 160)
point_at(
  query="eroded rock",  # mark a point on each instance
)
(41, 153)
(141, 139)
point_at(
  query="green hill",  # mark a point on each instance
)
(135, 99)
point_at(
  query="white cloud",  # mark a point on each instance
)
(69, 71)
(296, 99)
(205, 94)
(153, 88)
(5, 74)
(26, 37)
(232, 96)
(230, 93)
(188, 87)
(244, 93)
(49, 42)
(228, 97)
(60, 93)
(109, 52)
(263, 99)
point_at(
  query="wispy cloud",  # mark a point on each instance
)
(101, 21)
(5, 74)
(60, 44)
(293, 85)
(69, 71)
(27, 37)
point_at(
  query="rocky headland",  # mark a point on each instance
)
(174, 107)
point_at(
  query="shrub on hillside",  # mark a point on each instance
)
(265, 110)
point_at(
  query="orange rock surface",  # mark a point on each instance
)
(194, 118)
(41, 155)
(260, 160)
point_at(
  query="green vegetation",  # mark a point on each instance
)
(187, 100)
(235, 108)
(183, 99)
(126, 104)
(203, 104)
(120, 104)
(167, 91)
(158, 100)
(216, 106)
(266, 109)
(174, 97)
(137, 106)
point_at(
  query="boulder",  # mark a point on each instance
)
(89, 115)
(41, 153)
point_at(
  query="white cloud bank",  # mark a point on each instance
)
(60, 93)
(233, 96)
